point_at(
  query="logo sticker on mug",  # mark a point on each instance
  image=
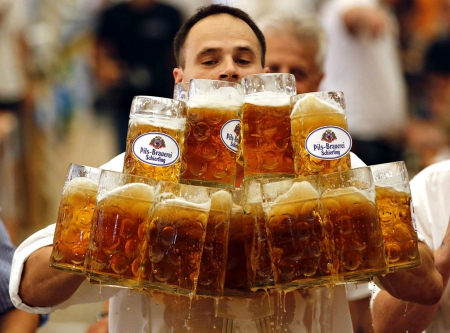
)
(229, 133)
(157, 149)
(328, 143)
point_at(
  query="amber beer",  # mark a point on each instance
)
(296, 234)
(400, 236)
(350, 215)
(320, 139)
(212, 133)
(155, 138)
(266, 128)
(119, 228)
(256, 239)
(396, 216)
(236, 281)
(175, 239)
(211, 278)
(73, 225)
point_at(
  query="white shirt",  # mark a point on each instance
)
(314, 310)
(430, 191)
(368, 71)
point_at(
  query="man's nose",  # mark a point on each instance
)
(229, 72)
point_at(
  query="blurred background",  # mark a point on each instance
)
(66, 81)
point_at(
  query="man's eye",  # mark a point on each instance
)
(243, 62)
(209, 62)
(299, 74)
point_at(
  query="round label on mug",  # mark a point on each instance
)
(328, 143)
(156, 148)
(229, 133)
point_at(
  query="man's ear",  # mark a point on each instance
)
(178, 74)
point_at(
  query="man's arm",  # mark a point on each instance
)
(391, 314)
(42, 285)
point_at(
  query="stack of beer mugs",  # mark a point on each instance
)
(174, 220)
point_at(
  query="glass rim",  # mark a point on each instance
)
(289, 75)
(164, 104)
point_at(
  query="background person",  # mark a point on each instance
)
(297, 45)
(363, 61)
(132, 56)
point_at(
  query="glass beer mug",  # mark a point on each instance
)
(176, 236)
(212, 133)
(256, 240)
(236, 281)
(266, 147)
(297, 237)
(320, 139)
(396, 215)
(349, 213)
(180, 91)
(155, 138)
(73, 226)
(118, 229)
(211, 279)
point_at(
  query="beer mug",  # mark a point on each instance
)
(396, 215)
(212, 133)
(175, 239)
(350, 215)
(296, 233)
(236, 281)
(266, 128)
(155, 138)
(180, 91)
(211, 279)
(257, 250)
(118, 229)
(73, 225)
(320, 139)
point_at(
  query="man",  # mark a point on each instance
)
(218, 42)
(429, 189)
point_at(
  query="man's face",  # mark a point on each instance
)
(220, 47)
(285, 54)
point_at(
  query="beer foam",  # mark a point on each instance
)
(172, 123)
(310, 104)
(223, 97)
(221, 201)
(298, 192)
(351, 190)
(253, 192)
(82, 182)
(236, 209)
(181, 202)
(267, 98)
(133, 190)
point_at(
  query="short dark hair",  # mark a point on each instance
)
(206, 11)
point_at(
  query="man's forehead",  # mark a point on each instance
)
(213, 30)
